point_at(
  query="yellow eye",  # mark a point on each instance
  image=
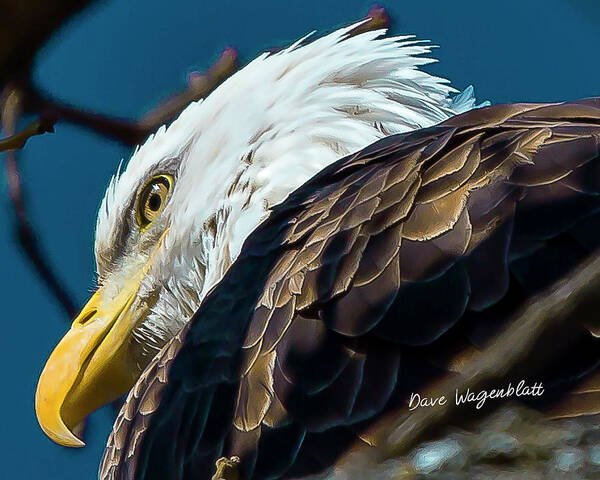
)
(152, 199)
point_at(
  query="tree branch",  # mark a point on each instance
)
(132, 132)
(26, 27)
(378, 19)
(199, 86)
(42, 125)
(11, 109)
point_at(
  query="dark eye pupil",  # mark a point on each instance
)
(154, 202)
(151, 199)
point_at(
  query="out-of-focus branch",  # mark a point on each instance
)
(42, 125)
(132, 132)
(11, 110)
(26, 27)
(199, 86)
(379, 18)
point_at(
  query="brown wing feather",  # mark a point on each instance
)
(370, 264)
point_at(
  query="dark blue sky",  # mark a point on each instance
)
(122, 57)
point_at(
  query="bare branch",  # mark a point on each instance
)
(378, 19)
(17, 141)
(10, 113)
(26, 27)
(120, 129)
(134, 132)
(200, 86)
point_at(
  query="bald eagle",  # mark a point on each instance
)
(296, 252)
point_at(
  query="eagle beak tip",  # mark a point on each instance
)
(60, 433)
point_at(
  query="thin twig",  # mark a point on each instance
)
(27, 239)
(42, 125)
(199, 86)
(378, 19)
(132, 132)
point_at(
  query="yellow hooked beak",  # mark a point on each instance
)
(92, 365)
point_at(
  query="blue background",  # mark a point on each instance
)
(123, 57)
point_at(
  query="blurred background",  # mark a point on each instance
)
(123, 57)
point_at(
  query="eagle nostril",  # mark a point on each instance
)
(87, 317)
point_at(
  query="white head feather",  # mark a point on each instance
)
(255, 139)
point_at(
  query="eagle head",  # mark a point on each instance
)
(176, 217)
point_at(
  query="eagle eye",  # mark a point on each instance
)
(152, 198)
